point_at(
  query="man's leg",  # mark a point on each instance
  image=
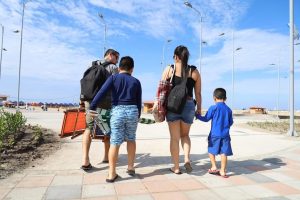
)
(106, 149)
(86, 143)
(113, 157)
(131, 149)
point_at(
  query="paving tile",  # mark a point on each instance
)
(214, 181)
(259, 178)
(293, 184)
(240, 180)
(188, 184)
(67, 180)
(63, 192)
(275, 198)
(136, 197)
(98, 190)
(4, 192)
(293, 197)
(292, 173)
(102, 198)
(12, 181)
(231, 193)
(278, 176)
(26, 193)
(204, 194)
(94, 178)
(256, 168)
(162, 186)
(281, 188)
(130, 188)
(170, 196)
(257, 191)
(36, 181)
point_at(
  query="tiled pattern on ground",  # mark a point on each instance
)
(265, 178)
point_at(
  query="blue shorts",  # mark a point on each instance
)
(187, 115)
(217, 145)
(123, 123)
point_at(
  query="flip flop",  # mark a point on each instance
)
(178, 173)
(130, 172)
(214, 171)
(113, 179)
(224, 176)
(86, 167)
(188, 167)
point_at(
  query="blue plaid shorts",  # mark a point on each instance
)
(123, 123)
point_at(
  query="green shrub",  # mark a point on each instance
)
(10, 125)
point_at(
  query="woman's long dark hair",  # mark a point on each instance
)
(183, 54)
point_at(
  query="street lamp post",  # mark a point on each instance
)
(105, 29)
(278, 88)
(292, 131)
(163, 53)
(2, 30)
(233, 63)
(20, 58)
(188, 4)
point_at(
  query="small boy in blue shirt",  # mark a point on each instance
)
(219, 139)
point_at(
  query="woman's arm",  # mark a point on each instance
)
(197, 90)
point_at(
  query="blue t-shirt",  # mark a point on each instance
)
(125, 90)
(221, 119)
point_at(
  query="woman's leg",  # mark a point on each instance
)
(174, 128)
(185, 140)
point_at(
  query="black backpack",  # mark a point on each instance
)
(93, 79)
(177, 96)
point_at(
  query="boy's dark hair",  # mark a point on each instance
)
(220, 93)
(111, 51)
(126, 63)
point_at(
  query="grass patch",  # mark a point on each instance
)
(281, 127)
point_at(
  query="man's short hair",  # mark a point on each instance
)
(126, 63)
(111, 51)
(220, 93)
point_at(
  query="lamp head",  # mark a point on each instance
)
(188, 4)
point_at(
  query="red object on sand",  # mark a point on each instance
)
(74, 123)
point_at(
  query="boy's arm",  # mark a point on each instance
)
(207, 117)
(230, 119)
(105, 87)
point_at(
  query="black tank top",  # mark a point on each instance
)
(190, 83)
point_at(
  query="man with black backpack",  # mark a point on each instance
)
(92, 80)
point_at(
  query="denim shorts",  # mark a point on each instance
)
(187, 115)
(123, 123)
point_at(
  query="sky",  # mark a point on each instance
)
(62, 37)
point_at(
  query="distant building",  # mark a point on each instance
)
(3, 97)
(257, 110)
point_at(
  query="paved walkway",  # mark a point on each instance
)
(264, 166)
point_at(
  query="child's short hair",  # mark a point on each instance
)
(220, 93)
(126, 63)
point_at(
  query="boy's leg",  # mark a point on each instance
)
(113, 157)
(131, 149)
(174, 128)
(223, 164)
(212, 161)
